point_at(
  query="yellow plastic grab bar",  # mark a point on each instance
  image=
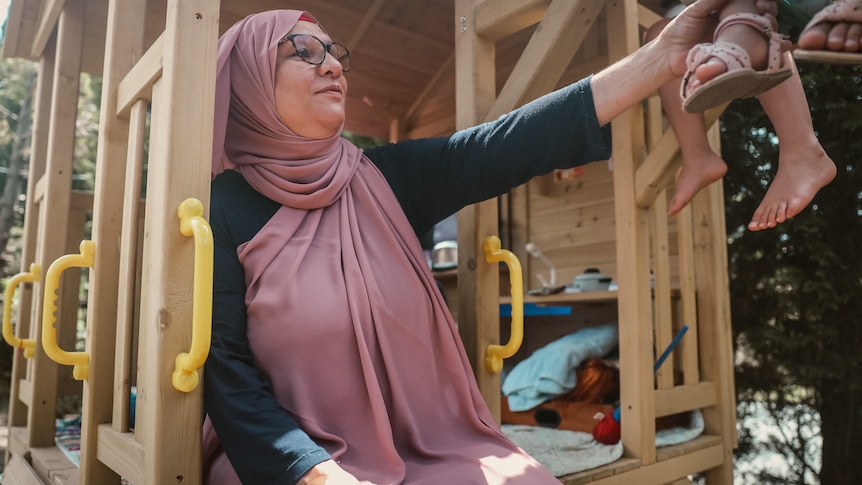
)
(80, 360)
(496, 353)
(185, 376)
(28, 345)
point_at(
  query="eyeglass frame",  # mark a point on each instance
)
(326, 50)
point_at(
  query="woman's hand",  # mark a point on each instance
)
(327, 473)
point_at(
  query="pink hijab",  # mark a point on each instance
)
(344, 317)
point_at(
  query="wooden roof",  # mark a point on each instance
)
(403, 79)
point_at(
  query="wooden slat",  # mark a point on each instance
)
(122, 453)
(138, 83)
(684, 398)
(662, 306)
(128, 285)
(716, 353)
(688, 297)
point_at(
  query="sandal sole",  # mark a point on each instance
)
(739, 83)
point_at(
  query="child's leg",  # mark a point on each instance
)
(803, 165)
(700, 165)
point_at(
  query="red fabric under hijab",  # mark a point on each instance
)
(344, 317)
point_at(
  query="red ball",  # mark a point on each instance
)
(607, 431)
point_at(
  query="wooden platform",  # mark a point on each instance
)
(47, 465)
(673, 463)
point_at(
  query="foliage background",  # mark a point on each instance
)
(796, 297)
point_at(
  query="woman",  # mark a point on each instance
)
(334, 358)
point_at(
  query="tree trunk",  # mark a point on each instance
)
(841, 429)
(14, 178)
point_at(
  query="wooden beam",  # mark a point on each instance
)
(48, 18)
(544, 60)
(370, 16)
(496, 19)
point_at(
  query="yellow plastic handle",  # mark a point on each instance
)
(496, 353)
(29, 345)
(185, 377)
(81, 360)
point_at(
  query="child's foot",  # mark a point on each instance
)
(838, 28)
(748, 39)
(694, 176)
(800, 175)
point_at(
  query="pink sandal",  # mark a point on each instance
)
(740, 80)
(841, 11)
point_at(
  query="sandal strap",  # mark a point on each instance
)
(761, 24)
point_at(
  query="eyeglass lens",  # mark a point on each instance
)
(312, 50)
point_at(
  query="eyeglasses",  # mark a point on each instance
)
(313, 50)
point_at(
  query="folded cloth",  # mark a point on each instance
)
(552, 370)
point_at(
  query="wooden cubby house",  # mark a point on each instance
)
(422, 68)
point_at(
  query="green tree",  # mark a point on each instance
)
(796, 290)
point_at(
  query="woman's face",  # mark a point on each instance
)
(309, 98)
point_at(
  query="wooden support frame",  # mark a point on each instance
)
(643, 169)
(148, 282)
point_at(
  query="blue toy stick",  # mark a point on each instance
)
(661, 359)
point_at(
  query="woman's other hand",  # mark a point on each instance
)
(327, 473)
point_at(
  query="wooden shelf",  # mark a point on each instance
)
(566, 298)
(575, 298)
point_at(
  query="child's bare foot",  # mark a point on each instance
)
(801, 173)
(838, 27)
(696, 173)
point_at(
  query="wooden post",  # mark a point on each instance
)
(478, 281)
(123, 47)
(633, 255)
(56, 189)
(26, 300)
(179, 167)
